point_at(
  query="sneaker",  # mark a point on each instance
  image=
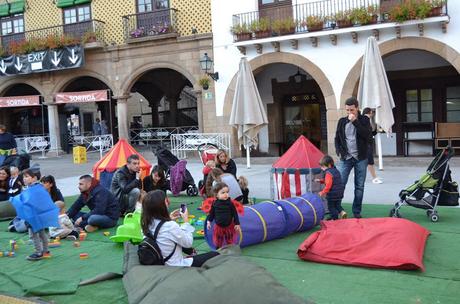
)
(377, 181)
(71, 237)
(47, 255)
(343, 215)
(35, 257)
(11, 228)
(90, 228)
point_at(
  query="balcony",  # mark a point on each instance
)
(158, 24)
(331, 17)
(90, 33)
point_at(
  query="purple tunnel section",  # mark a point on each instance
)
(271, 220)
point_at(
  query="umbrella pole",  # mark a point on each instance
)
(248, 153)
(379, 150)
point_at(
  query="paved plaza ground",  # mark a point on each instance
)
(398, 173)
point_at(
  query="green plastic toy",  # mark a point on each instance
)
(130, 230)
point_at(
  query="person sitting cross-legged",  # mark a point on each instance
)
(103, 206)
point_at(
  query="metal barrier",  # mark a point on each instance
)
(33, 144)
(181, 143)
(100, 143)
(149, 135)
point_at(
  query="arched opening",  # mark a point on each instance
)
(161, 98)
(298, 96)
(24, 121)
(79, 118)
(295, 106)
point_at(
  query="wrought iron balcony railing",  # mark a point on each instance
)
(51, 37)
(152, 23)
(324, 15)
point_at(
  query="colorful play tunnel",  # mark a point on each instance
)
(271, 220)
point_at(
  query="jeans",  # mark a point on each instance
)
(360, 167)
(128, 201)
(101, 221)
(335, 207)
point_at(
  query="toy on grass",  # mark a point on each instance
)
(130, 230)
(13, 245)
(82, 236)
(55, 243)
(106, 233)
(5, 254)
(200, 232)
(76, 244)
(84, 256)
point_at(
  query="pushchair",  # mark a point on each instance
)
(206, 151)
(434, 188)
(21, 161)
(167, 160)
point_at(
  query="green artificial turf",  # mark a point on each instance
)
(56, 279)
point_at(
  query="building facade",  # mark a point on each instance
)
(306, 57)
(143, 53)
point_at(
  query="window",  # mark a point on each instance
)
(12, 25)
(274, 2)
(77, 14)
(419, 105)
(453, 104)
(151, 5)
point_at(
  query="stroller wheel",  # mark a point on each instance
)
(190, 190)
(394, 213)
(434, 217)
(429, 212)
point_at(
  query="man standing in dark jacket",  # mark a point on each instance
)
(101, 203)
(351, 143)
(126, 184)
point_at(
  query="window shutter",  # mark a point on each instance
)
(17, 7)
(64, 3)
(82, 1)
(4, 10)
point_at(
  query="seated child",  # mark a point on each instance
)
(66, 229)
(210, 164)
(243, 182)
(225, 215)
(142, 194)
(333, 191)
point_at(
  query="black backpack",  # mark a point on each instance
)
(149, 252)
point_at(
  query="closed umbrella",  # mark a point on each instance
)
(374, 91)
(248, 113)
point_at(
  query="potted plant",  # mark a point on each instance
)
(204, 82)
(423, 8)
(365, 15)
(403, 12)
(261, 28)
(285, 26)
(139, 32)
(436, 7)
(374, 12)
(241, 31)
(313, 23)
(343, 19)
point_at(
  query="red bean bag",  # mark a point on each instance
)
(375, 242)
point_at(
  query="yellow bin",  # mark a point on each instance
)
(79, 155)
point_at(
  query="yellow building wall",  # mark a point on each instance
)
(192, 13)
(40, 14)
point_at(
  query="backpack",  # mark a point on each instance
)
(149, 252)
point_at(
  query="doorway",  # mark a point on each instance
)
(302, 120)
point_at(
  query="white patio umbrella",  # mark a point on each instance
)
(374, 91)
(248, 113)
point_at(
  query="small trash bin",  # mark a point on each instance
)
(79, 155)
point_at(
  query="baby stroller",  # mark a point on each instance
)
(206, 151)
(21, 161)
(434, 188)
(167, 160)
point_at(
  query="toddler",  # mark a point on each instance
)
(66, 228)
(333, 191)
(224, 213)
(243, 182)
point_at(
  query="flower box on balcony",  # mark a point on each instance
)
(436, 11)
(344, 23)
(243, 36)
(262, 34)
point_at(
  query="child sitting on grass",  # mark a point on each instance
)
(66, 228)
(333, 191)
(35, 206)
(243, 182)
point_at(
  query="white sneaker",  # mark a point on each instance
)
(377, 180)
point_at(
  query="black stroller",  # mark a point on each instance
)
(166, 160)
(20, 161)
(434, 188)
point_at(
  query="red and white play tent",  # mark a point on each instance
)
(295, 171)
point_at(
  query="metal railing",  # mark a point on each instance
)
(327, 9)
(181, 143)
(99, 143)
(152, 23)
(149, 136)
(82, 32)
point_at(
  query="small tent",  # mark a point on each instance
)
(295, 171)
(116, 158)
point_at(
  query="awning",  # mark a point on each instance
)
(64, 3)
(17, 7)
(81, 1)
(19, 101)
(4, 10)
(82, 97)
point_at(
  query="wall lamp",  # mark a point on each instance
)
(206, 65)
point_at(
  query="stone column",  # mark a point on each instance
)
(172, 101)
(122, 115)
(199, 109)
(53, 127)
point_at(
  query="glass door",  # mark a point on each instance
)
(302, 120)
